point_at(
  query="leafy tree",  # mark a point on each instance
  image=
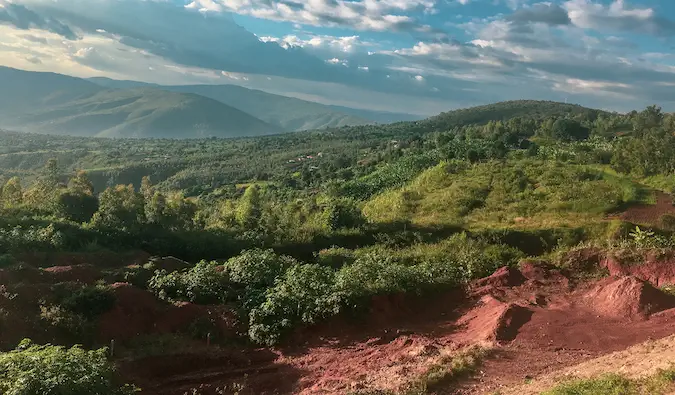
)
(12, 192)
(81, 184)
(120, 207)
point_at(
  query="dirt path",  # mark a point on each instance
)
(648, 213)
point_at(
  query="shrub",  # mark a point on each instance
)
(205, 283)
(304, 295)
(52, 370)
(258, 268)
(88, 301)
(376, 273)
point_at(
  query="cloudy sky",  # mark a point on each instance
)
(415, 56)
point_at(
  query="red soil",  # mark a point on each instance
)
(537, 318)
(649, 213)
(629, 298)
(138, 312)
(85, 274)
(104, 259)
(658, 270)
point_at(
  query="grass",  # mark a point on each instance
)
(527, 193)
(448, 371)
(614, 384)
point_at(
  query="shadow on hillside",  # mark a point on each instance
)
(243, 371)
(388, 318)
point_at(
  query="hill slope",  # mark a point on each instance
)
(58, 104)
(144, 112)
(503, 111)
(21, 91)
(286, 112)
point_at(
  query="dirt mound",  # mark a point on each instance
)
(503, 277)
(581, 260)
(136, 312)
(139, 312)
(494, 320)
(649, 213)
(628, 297)
(85, 274)
(21, 273)
(659, 271)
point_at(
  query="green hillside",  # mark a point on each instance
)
(503, 111)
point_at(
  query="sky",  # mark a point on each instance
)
(413, 56)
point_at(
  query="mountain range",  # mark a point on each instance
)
(58, 104)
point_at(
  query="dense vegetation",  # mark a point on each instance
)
(52, 370)
(293, 229)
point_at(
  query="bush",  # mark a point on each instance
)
(258, 268)
(376, 273)
(304, 295)
(52, 370)
(205, 283)
(89, 301)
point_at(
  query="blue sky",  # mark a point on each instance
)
(416, 56)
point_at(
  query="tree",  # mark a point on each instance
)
(81, 184)
(12, 192)
(120, 207)
(43, 193)
(147, 189)
(566, 129)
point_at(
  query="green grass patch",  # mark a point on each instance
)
(614, 384)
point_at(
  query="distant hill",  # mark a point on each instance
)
(503, 111)
(286, 112)
(378, 116)
(145, 112)
(21, 91)
(58, 104)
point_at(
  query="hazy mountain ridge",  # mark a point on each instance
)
(57, 104)
(286, 112)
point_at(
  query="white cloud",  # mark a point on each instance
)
(618, 16)
(382, 15)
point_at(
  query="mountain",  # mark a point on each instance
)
(57, 104)
(25, 90)
(378, 116)
(286, 112)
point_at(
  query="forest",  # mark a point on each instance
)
(291, 230)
